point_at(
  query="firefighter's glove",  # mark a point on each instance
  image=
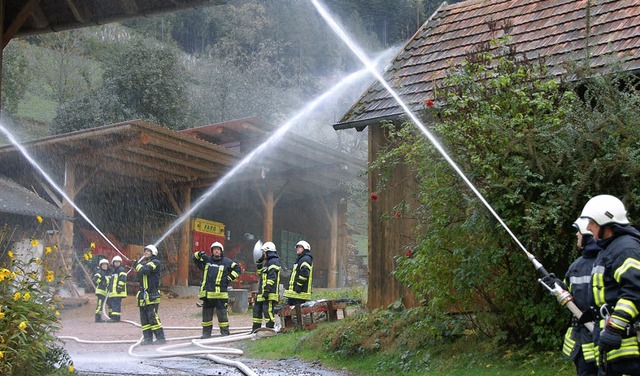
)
(610, 339)
(265, 295)
(588, 315)
(551, 281)
(297, 288)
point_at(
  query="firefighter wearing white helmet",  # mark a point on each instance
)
(117, 289)
(101, 283)
(298, 289)
(578, 340)
(149, 269)
(218, 272)
(616, 284)
(268, 267)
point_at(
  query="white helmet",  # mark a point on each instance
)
(217, 244)
(103, 261)
(268, 247)
(152, 248)
(604, 210)
(116, 258)
(304, 245)
(581, 225)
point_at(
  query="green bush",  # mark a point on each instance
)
(536, 149)
(28, 313)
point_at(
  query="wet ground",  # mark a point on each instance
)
(105, 349)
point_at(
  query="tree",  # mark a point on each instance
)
(15, 77)
(141, 80)
(536, 152)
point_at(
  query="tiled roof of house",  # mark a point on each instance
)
(16, 199)
(555, 30)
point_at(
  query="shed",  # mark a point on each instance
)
(558, 32)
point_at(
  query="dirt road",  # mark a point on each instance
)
(110, 354)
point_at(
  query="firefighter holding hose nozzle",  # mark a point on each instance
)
(578, 340)
(615, 281)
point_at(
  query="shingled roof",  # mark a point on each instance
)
(16, 199)
(555, 30)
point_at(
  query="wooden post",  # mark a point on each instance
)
(182, 277)
(332, 276)
(267, 225)
(66, 239)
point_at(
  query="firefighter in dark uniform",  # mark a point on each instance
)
(149, 269)
(117, 289)
(218, 271)
(101, 281)
(578, 340)
(299, 288)
(269, 272)
(616, 285)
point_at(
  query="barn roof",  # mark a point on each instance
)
(557, 31)
(28, 17)
(16, 199)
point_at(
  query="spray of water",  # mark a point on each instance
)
(272, 140)
(371, 68)
(33, 162)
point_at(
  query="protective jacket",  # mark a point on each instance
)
(149, 275)
(616, 283)
(577, 279)
(118, 283)
(101, 280)
(217, 275)
(301, 277)
(269, 272)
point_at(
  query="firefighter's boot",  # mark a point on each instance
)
(255, 327)
(160, 339)
(224, 331)
(147, 338)
(206, 332)
(98, 317)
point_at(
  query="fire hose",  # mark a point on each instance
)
(203, 344)
(563, 296)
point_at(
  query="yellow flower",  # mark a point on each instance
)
(39, 219)
(22, 325)
(37, 260)
(55, 247)
(1, 355)
(10, 254)
(34, 242)
(47, 250)
(86, 257)
(17, 295)
(57, 313)
(50, 277)
(93, 245)
(71, 368)
(26, 296)
(1, 315)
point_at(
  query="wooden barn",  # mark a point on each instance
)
(557, 32)
(136, 180)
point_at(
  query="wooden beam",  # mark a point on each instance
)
(17, 23)
(172, 199)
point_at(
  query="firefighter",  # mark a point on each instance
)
(218, 271)
(616, 285)
(578, 340)
(149, 269)
(299, 288)
(269, 271)
(117, 289)
(101, 281)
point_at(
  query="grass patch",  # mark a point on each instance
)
(385, 342)
(37, 108)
